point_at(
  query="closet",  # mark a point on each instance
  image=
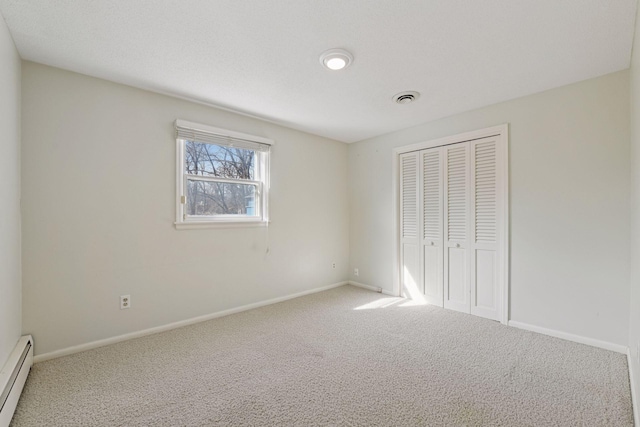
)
(452, 228)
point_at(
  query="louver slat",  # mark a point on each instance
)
(485, 192)
(409, 175)
(456, 193)
(431, 188)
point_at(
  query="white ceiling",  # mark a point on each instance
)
(260, 57)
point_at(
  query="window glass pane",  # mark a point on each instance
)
(219, 161)
(217, 198)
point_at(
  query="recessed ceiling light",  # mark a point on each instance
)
(336, 59)
(406, 97)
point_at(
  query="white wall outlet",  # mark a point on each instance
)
(333, 265)
(125, 301)
(356, 272)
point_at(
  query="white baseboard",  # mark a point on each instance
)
(112, 340)
(551, 332)
(570, 337)
(634, 394)
(371, 288)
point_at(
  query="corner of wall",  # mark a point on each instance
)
(10, 190)
(634, 279)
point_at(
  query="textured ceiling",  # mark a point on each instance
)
(261, 57)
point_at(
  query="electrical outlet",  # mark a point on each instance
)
(125, 301)
(356, 272)
(333, 265)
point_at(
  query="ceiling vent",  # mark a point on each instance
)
(406, 97)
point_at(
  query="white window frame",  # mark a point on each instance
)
(262, 170)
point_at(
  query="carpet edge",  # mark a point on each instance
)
(618, 348)
(174, 325)
(632, 385)
(371, 288)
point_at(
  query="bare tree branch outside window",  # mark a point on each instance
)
(218, 198)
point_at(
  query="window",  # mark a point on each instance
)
(223, 177)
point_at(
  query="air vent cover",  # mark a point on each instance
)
(406, 97)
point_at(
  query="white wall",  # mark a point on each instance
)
(634, 318)
(98, 175)
(569, 178)
(10, 292)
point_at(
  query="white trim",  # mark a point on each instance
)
(570, 337)
(455, 139)
(220, 224)
(502, 134)
(224, 180)
(112, 340)
(372, 288)
(180, 190)
(505, 268)
(223, 132)
(263, 162)
(395, 215)
(632, 385)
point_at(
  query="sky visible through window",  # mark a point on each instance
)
(206, 198)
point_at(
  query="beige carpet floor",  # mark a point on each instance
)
(346, 357)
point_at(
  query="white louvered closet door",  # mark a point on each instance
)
(409, 225)
(453, 226)
(456, 227)
(485, 249)
(432, 219)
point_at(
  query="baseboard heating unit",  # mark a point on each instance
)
(13, 376)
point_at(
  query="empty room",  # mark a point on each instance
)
(319, 213)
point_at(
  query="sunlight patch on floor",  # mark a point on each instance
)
(411, 289)
(414, 297)
(380, 303)
(413, 303)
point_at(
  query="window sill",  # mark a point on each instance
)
(219, 224)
